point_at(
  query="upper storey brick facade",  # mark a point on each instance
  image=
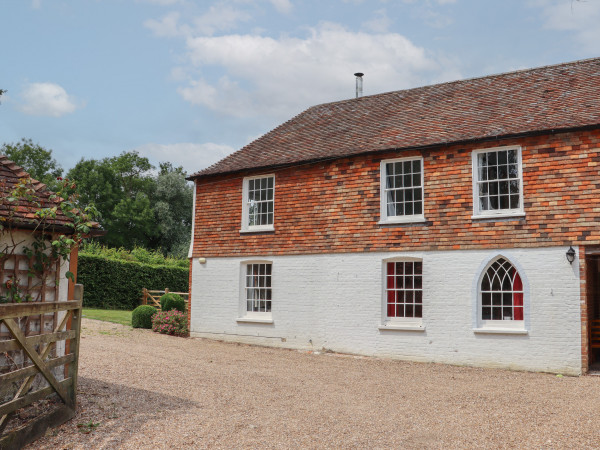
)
(506, 160)
(334, 206)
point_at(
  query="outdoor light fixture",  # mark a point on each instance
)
(571, 255)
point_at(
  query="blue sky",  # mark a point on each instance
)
(191, 81)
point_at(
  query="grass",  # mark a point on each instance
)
(108, 315)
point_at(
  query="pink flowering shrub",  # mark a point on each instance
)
(170, 322)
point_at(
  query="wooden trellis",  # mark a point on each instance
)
(16, 268)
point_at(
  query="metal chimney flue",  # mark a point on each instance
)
(359, 83)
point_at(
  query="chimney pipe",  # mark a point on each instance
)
(359, 83)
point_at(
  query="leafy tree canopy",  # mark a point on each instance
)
(36, 160)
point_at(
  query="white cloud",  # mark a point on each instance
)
(47, 99)
(380, 23)
(578, 17)
(220, 17)
(36, 4)
(283, 6)
(160, 2)
(279, 77)
(192, 157)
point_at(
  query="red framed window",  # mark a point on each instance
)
(404, 289)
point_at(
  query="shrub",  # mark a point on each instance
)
(170, 301)
(141, 317)
(117, 284)
(170, 322)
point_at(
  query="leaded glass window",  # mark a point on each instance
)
(501, 292)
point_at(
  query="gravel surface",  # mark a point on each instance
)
(146, 390)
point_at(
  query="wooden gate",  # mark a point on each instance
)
(152, 298)
(48, 372)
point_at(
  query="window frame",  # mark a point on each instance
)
(401, 323)
(383, 205)
(253, 316)
(490, 214)
(246, 227)
(511, 326)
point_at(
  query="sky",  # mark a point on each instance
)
(192, 81)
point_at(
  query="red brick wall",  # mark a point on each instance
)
(334, 206)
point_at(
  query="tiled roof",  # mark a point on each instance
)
(10, 174)
(563, 96)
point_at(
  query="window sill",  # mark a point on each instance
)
(260, 229)
(500, 331)
(402, 220)
(506, 215)
(398, 327)
(253, 320)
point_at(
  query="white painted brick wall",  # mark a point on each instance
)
(335, 302)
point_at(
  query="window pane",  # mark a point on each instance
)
(512, 157)
(389, 181)
(496, 313)
(418, 296)
(418, 311)
(486, 299)
(417, 167)
(502, 157)
(496, 299)
(418, 268)
(409, 311)
(514, 201)
(486, 313)
(492, 158)
(408, 209)
(406, 167)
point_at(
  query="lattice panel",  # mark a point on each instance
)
(16, 268)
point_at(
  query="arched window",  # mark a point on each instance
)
(501, 292)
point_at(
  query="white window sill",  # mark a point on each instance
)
(259, 229)
(499, 331)
(504, 215)
(253, 320)
(399, 327)
(403, 219)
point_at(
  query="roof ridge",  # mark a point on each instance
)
(461, 81)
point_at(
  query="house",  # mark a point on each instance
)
(457, 223)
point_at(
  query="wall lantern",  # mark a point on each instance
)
(571, 255)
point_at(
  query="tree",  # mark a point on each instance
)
(36, 160)
(121, 188)
(173, 203)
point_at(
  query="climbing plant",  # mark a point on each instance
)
(46, 218)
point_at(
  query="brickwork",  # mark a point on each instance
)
(336, 302)
(333, 207)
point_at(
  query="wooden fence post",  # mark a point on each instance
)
(166, 290)
(144, 296)
(75, 324)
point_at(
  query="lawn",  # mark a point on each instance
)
(108, 315)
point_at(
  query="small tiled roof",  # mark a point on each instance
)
(563, 96)
(23, 216)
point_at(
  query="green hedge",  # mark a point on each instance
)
(111, 284)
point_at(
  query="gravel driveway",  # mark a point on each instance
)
(147, 390)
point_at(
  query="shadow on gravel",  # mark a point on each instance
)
(110, 415)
